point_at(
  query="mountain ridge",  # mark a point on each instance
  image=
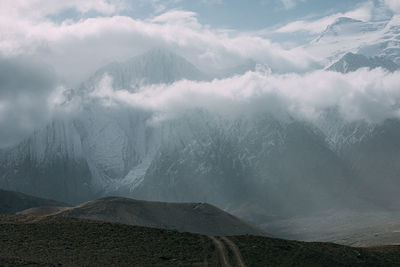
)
(351, 62)
(199, 218)
(12, 202)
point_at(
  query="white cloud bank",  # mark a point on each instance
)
(78, 48)
(372, 95)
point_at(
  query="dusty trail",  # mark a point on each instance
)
(235, 250)
(221, 251)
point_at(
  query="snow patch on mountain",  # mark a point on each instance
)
(371, 39)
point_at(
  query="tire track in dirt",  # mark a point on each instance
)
(221, 251)
(235, 250)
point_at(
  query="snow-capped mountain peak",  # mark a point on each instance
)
(370, 39)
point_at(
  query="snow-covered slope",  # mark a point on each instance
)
(387, 42)
(371, 39)
(345, 27)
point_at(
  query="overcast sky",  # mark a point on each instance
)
(210, 33)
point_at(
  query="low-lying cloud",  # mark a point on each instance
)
(30, 96)
(370, 95)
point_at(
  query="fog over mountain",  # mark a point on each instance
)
(169, 108)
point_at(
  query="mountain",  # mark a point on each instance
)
(253, 168)
(12, 202)
(342, 26)
(49, 241)
(259, 167)
(50, 164)
(351, 62)
(375, 158)
(82, 157)
(386, 43)
(199, 218)
(371, 39)
(340, 132)
(157, 66)
(348, 27)
(372, 150)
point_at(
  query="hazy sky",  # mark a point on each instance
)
(233, 14)
(248, 15)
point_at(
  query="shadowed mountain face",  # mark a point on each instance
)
(49, 241)
(184, 217)
(12, 202)
(78, 159)
(376, 158)
(281, 168)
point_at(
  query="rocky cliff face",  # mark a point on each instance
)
(352, 62)
(98, 149)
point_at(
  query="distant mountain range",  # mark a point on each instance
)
(257, 169)
(261, 168)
